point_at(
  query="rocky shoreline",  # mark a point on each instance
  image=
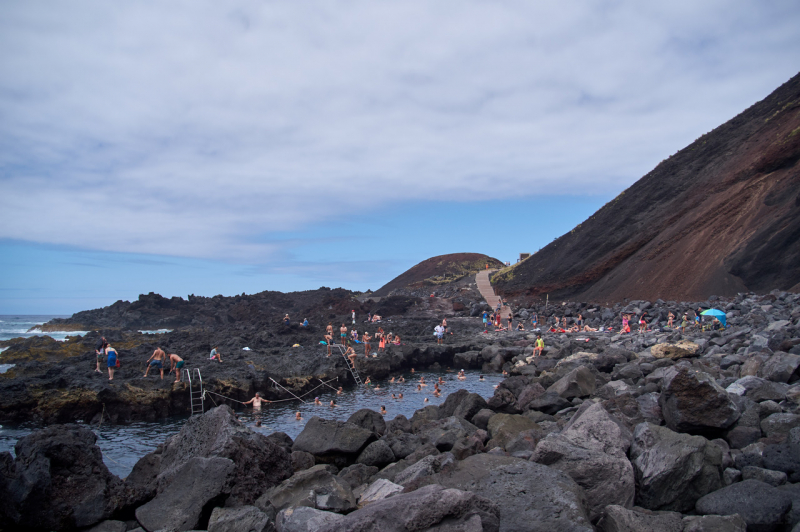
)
(612, 432)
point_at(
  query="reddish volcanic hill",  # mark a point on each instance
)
(720, 216)
(440, 270)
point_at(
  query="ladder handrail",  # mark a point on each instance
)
(351, 366)
(195, 395)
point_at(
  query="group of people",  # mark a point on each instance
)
(159, 357)
(108, 357)
(348, 337)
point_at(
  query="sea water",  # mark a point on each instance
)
(18, 325)
(124, 445)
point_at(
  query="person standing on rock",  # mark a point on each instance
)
(366, 338)
(329, 341)
(485, 320)
(510, 321)
(343, 334)
(111, 362)
(156, 360)
(535, 320)
(176, 365)
(382, 343)
(100, 352)
(670, 319)
(354, 316)
(329, 329)
(438, 331)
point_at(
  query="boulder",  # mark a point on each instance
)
(714, 523)
(773, 478)
(369, 420)
(779, 367)
(682, 349)
(526, 440)
(402, 444)
(762, 506)
(579, 382)
(503, 427)
(530, 496)
(377, 453)
(399, 423)
(692, 401)
(620, 519)
(673, 470)
(304, 519)
(783, 457)
(281, 439)
(741, 437)
(758, 389)
(423, 509)
(528, 394)
(423, 416)
(427, 466)
(592, 451)
(259, 462)
(241, 519)
(315, 488)
(58, 481)
(198, 486)
(377, 491)
(549, 403)
(481, 419)
(779, 424)
(444, 433)
(323, 438)
(302, 460)
(469, 406)
(357, 474)
(109, 526)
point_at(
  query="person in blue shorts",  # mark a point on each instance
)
(111, 362)
(156, 360)
(485, 319)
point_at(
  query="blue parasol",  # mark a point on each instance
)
(720, 315)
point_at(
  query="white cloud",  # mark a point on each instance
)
(191, 128)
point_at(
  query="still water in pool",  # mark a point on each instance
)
(123, 445)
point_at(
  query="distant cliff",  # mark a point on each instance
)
(721, 216)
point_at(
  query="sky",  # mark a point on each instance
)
(226, 147)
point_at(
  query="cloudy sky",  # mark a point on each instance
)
(223, 146)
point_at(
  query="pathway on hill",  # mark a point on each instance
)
(486, 290)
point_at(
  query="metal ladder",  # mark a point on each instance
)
(352, 368)
(196, 393)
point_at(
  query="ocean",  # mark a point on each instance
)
(17, 326)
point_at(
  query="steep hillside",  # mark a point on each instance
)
(440, 270)
(720, 216)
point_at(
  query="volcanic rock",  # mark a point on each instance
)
(762, 506)
(693, 402)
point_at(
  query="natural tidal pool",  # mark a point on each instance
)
(123, 445)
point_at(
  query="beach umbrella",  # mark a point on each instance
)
(720, 315)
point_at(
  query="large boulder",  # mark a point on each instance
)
(377, 491)
(620, 519)
(504, 427)
(444, 433)
(197, 487)
(682, 349)
(549, 403)
(402, 444)
(325, 438)
(592, 451)
(758, 389)
(57, 481)
(304, 519)
(783, 457)
(425, 467)
(692, 401)
(377, 453)
(762, 506)
(530, 496)
(579, 382)
(423, 509)
(779, 367)
(241, 519)
(369, 419)
(315, 488)
(673, 470)
(779, 424)
(259, 462)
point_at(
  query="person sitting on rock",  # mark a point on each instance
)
(538, 346)
(396, 339)
(176, 364)
(305, 322)
(156, 360)
(216, 355)
(286, 319)
(520, 326)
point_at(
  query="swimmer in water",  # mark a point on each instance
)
(400, 396)
(393, 397)
(412, 370)
(298, 417)
(368, 381)
(426, 400)
(401, 379)
(317, 402)
(378, 386)
(339, 391)
(391, 380)
(480, 378)
(333, 404)
(419, 387)
(383, 410)
(422, 379)
(256, 402)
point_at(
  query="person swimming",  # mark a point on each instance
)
(298, 417)
(317, 402)
(383, 410)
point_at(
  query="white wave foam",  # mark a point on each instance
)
(157, 331)
(6, 367)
